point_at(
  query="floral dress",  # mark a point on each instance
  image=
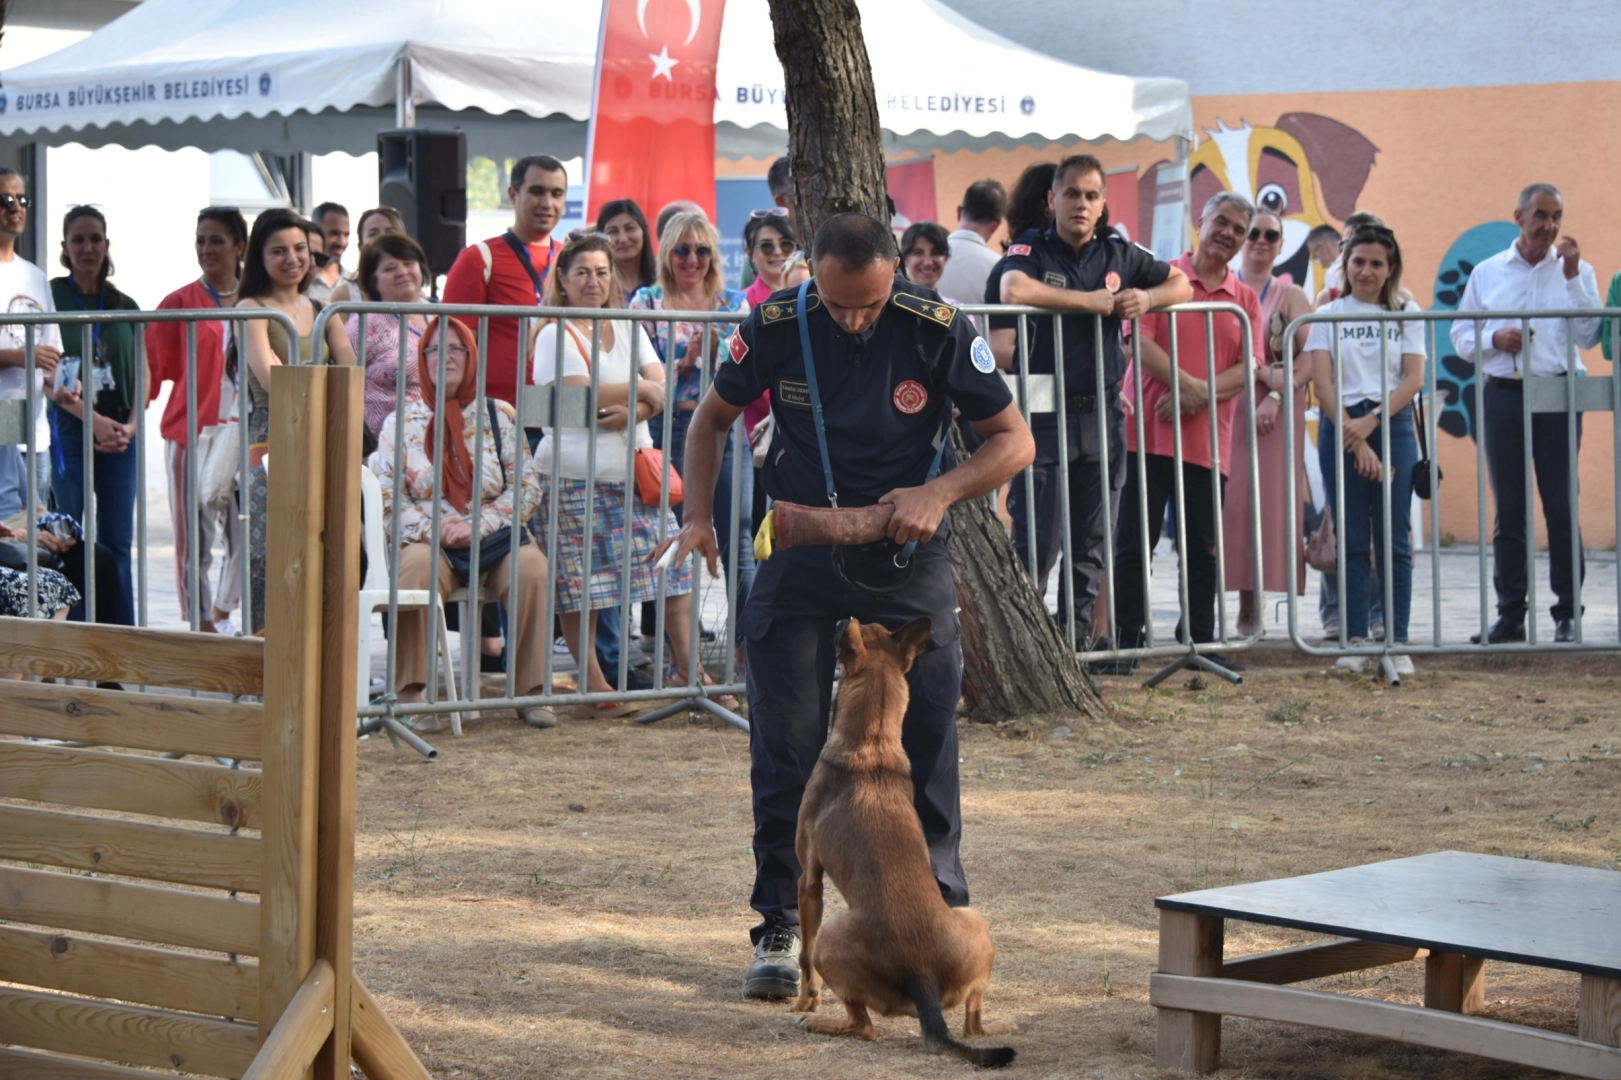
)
(672, 340)
(381, 357)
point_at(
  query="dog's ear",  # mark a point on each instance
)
(912, 639)
(852, 648)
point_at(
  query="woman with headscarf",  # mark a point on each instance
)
(499, 487)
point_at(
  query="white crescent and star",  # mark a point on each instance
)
(695, 10)
(662, 64)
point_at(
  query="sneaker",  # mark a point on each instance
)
(1376, 631)
(225, 627)
(560, 647)
(1404, 664)
(774, 975)
(1352, 663)
(428, 723)
(1331, 630)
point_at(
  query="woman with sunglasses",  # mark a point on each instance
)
(221, 238)
(625, 226)
(107, 377)
(690, 280)
(1282, 301)
(277, 268)
(372, 224)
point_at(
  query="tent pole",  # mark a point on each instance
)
(1184, 149)
(33, 169)
(405, 108)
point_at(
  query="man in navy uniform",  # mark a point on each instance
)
(861, 425)
(1079, 265)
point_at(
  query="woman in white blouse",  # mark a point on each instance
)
(583, 277)
(1352, 414)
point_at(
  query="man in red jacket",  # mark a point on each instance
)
(511, 268)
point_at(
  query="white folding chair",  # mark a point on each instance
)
(374, 597)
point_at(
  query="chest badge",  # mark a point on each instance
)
(910, 397)
(1111, 281)
(980, 353)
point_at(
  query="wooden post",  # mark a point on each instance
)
(1454, 983)
(1189, 945)
(1599, 1010)
(335, 873)
(292, 660)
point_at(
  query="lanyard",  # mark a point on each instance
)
(905, 556)
(1264, 288)
(521, 249)
(95, 328)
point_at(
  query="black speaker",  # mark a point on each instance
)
(423, 175)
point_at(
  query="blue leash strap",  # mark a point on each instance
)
(905, 556)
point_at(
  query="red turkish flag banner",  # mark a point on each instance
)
(653, 117)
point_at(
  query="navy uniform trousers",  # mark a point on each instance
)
(789, 626)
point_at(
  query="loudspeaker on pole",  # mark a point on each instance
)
(423, 175)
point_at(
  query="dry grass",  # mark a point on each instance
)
(575, 902)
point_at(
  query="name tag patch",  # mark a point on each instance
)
(984, 360)
(910, 397)
(1057, 281)
(793, 393)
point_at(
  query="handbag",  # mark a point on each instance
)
(1321, 548)
(221, 448)
(649, 460)
(496, 546)
(1421, 470)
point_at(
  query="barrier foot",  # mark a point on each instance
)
(370, 724)
(691, 705)
(1387, 663)
(1192, 660)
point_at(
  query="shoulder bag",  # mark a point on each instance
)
(649, 460)
(498, 545)
(1421, 470)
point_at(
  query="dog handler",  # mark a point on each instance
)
(863, 425)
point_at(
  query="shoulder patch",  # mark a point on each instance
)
(786, 309)
(933, 310)
(1019, 249)
(1145, 251)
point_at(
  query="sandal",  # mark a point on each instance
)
(600, 710)
(725, 701)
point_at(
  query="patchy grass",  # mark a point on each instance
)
(575, 902)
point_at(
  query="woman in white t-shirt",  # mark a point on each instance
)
(583, 277)
(1371, 270)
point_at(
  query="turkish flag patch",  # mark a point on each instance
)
(910, 397)
(739, 348)
(1019, 249)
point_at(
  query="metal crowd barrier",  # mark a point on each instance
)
(1570, 394)
(1047, 393)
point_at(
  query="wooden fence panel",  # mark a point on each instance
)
(191, 791)
(130, 848)
(61, 650)
(166, 1040)
(161, 722)
(121, 909)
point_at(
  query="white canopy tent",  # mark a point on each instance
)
(314, 76)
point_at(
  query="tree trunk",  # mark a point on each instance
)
(835, 147)
(1015, 661)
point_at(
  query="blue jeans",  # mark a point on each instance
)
(1363, 523)
(673, 440)
(116, 484)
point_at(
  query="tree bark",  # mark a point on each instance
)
(835, 146)
(1015, 660)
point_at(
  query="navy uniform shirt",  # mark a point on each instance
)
(1107, 261)
(885, 393)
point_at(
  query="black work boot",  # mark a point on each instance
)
(774, 975)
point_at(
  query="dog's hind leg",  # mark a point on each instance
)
(856, 1023)
(810, 924)
(973, 1020)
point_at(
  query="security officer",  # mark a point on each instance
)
(861, 425)
(1081, 265)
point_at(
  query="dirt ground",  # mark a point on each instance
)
(574, 902)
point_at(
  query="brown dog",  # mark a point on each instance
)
(898, 950)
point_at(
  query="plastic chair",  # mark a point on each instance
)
(374, 597)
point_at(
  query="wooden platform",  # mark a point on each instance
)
(1453, 909)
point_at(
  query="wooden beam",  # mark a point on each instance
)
(1317, 961)
(1533, 1047)
(33, 1065)
(121, 909)
(293, 698)
(128, 1033)
(71, 650)
(130, 848)
(1189, 944)
(161, 722)
(380, 1050)
(133, 783)
(1599, 1010)
(340, 616)
(1454, 983)
(304, 1026)
(163, 977)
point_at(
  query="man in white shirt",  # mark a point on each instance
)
(984, 205)
(1535, 273)
(23, 288)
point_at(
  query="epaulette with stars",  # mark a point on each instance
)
(778, 310)
(933, 310)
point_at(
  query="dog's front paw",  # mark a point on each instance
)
(807, 1001)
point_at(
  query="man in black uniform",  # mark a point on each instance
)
(1077, 265)
(890, 361)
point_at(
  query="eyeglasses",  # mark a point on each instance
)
(771, 247)
(15, 202)
(687, 251)
(458, 351)
(775, 211)
(1271, 236)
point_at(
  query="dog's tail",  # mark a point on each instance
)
(925, 994)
